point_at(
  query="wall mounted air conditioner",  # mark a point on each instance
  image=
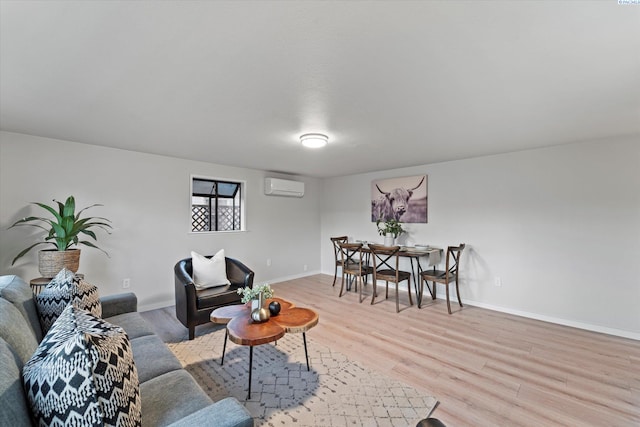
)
(283, 187)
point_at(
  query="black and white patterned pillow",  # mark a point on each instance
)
(83, 374)
(63, 289)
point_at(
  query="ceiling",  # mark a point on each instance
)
(393, 83)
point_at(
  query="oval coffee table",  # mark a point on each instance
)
(242, 330)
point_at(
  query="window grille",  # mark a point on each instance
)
(216, 205)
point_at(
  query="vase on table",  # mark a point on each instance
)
(389, 240)
(260, 313)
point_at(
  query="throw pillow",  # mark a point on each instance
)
(208, 273)
(83, 373)
(63, 289)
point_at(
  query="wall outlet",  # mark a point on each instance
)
(304, 267)
(126, 283)
(268, 262)
(497, 282)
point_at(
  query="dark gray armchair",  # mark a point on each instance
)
(193, 306)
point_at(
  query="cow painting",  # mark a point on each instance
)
(402, 199)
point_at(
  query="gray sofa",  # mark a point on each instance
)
(169, 394)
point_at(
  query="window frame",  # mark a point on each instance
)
(243, 201)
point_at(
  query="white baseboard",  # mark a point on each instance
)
(551, 319)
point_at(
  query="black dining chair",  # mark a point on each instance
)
(448, 275)
(386, 260)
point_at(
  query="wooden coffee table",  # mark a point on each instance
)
(243, 331)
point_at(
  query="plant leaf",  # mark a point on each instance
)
(24, 252)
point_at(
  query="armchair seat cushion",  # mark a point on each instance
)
(214, 297)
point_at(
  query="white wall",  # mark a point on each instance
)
(560, 226)
(147, 198)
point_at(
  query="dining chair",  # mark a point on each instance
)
(386, 260)
(354, 266)
(449, 275)
(335, 241)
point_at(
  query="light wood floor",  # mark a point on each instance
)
(486, 368)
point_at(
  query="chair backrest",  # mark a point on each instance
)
(453, 259)
(351, 256)
(336, 241)
(385, 257)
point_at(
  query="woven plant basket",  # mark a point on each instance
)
(51, 261)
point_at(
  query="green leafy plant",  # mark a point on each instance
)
(249, 294)
(64, 230)
(392, 226)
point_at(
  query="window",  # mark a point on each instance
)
(216, 205)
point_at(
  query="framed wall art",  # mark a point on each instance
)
(403, 199)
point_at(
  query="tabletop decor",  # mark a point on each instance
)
(260, 313)
(63, 233)
(390, 229)
(249, 294)
(257, 295)
(274, 308)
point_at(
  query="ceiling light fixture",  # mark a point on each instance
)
(314, 140)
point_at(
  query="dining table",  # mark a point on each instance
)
(432, 254)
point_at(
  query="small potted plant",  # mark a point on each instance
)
(253, 294)
(63, 233)
(390, 229)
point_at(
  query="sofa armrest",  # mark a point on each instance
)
(112, 305)
(224, 413)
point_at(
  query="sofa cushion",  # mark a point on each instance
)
(153, 357)
(209, 272)
(170, 397)
(83, 373)
(63, 289)
(18, 292)
(133, 324)
(15, 331)
(13, 401)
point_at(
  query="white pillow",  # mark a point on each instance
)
(208, 273)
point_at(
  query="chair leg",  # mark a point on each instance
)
(397, 299)
(386, 294)
(375, 291)
(458, 293)
(448, 303)
(409, 289)
(192, 332)
(341, 285)
(335, 275)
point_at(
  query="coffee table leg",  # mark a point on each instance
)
(250, 369)
(306, 355)
(224, 346)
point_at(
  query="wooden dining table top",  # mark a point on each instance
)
(410, 251)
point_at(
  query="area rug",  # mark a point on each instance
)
(335, 392)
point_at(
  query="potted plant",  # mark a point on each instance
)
(63, 232)
(252, 294)
(390, 229)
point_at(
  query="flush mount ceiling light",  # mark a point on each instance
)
(314, 140)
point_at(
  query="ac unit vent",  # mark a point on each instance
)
(283, 187)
